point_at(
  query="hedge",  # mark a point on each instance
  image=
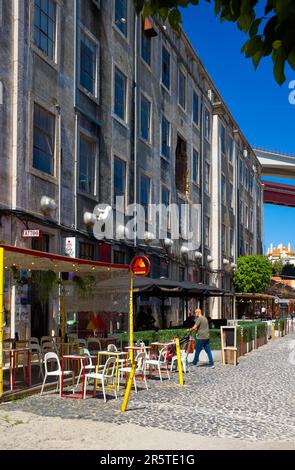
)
(165, 336)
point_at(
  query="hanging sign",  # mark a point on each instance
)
(140, 266)
(32, 233)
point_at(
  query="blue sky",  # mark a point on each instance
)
(259, 105)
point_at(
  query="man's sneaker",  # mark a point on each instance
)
(212, 367)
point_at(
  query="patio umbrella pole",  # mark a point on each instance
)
(62, 316)
(1, 317)
(131, 316)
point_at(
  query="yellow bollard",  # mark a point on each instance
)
(273, 332)
(179, 363)
(131, 317)
(1, 317)
(129, 386)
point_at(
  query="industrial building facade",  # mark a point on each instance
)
(97, 103)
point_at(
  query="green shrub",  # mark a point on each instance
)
(164, 336)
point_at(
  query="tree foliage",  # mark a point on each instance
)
(253, 274)
(272, 34)
(277, 267)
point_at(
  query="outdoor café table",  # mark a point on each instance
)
(83, 362)
(106, 341)
(118, 355)
(12, 363)
(138, 349)
(158, 346)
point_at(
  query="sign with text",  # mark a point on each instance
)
(140, 266)
(32, 233)
(70, 247)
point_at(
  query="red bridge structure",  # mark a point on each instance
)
(277, 165)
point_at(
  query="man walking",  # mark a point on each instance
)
(203, 337)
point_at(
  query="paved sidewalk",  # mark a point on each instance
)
(253, 402)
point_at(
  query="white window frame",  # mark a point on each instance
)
(182, 71)
(197, 183)
(88, 136)
(125, 121)
(95, 41)
(223, 194)
(207, 164)
(169, 140)
(125, 37)
(125, 160)
(164, 186)
(195, 92)
(57, 144)
(55, 62)
(168, 90)
(146, 175)
(222, 129)
(149, 66)
(207, 137)
(150, 136)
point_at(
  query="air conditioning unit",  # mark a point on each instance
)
(122, 232)
(168, 243)
(198, 255)
(89, 218)
(149, 237)
(47, 204)
(184, 250)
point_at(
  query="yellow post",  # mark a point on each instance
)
(131, 317)
(1, 317)
(273, 332)
(179, 363)
(129, 386)
(63, 318)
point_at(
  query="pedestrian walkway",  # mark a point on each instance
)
(253, 401)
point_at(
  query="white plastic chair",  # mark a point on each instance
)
(35, 350)
(106, 377)
(34, 340)
(46, 339)
(160, 362)
(89, 364)
(97, 344)
(81, 342)
(48, 347)
(184, 359)
(53, 357)
(140, 370)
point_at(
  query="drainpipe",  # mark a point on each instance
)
(135, 117)
(15, 101)
(76, 19)
(202, 190)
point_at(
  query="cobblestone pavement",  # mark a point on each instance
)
(253, 401)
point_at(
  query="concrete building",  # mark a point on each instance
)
(96, 103)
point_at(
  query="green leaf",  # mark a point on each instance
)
(279, 69)
(277, 44)
(291, 59)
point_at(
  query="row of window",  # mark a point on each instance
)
(246, 216)
(45, 40)
(245, 177)
(120, 110)
(45, 31)
(44, 151)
